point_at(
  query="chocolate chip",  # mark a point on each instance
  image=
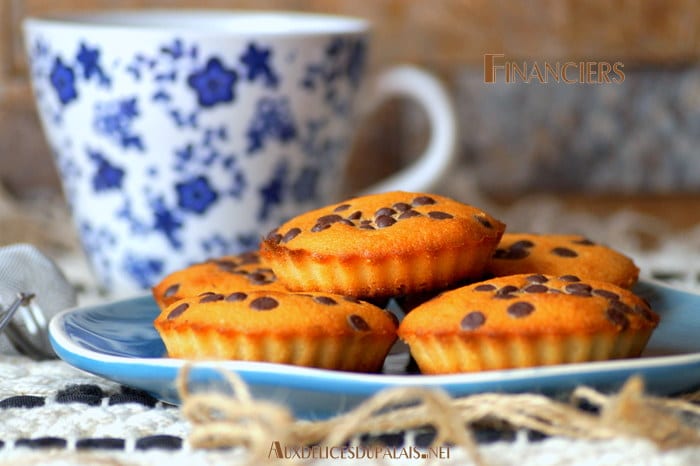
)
(609, 295)
(409, 214)
(384, 221)
(264, 303)
(171, 290)
(620, 306)
(617, 317)
(644, 312)
(569, 278)
(510, 253)
(537, 278)
(473, 320)
(346, 222)
(423, 200)
(332, 218)
(352, 299)
(483, 221)
(178, 311)
(258, 278)
(583, 242)
(325, 300)
(401, 206)
(522, 244)
(578, 289)
(520, 309)
(237, 296)
(485, 287)
(290, 235)
(325, 222)
(366, 227)
(273, 236)
(437, 215)
(212, 297)
(385, 211)
(536, 288)
(506, 292)
(564, 252)
(355, 215)
(358, 323)
(341, 208)
(320, 227)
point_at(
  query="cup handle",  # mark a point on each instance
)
(427, 91)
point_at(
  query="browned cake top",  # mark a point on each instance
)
(531, 304)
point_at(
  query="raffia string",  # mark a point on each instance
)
(220, 420)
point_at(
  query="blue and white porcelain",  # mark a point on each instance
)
(118, 341)
(182, 135)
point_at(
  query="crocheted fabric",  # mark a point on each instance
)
(51, 413)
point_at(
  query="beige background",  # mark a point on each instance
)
(447, 36)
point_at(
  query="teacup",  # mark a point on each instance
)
(184, 135)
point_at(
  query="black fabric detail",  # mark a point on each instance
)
(486, 434)
(88, 394)
(536, 436)
(131, 395)
(41, 442)
(100, 443)
(394, 439)
(164, 442)
(424, 438)
(23, 401)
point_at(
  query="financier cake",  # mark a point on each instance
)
(311, 329)
(557, 254)
(245, 270)
(527, 320)
(383, 245)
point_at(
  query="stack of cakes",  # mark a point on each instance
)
(312, 294)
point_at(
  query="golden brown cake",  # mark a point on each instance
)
(310, 329)
(526, 320)
(241, 271)
(383, 245)
(561, 255)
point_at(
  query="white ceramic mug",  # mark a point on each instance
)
(183, 135)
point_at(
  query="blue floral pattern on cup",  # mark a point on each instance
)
(188, 152)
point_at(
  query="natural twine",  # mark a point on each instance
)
(224, 421)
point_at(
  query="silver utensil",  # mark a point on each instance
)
(27, 332)
(32, 290)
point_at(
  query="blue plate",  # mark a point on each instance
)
(118, 341)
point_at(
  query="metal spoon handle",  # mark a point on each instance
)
(23, 299)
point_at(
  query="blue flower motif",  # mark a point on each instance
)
(214, 84)
(114, 120)
(166, 222)
(356, 62)
(257, 61)
(273, 192)
(195, 195)
(272, 119)
(89, 59)
(107, 176)
(145, 271)
(62, 79)
(304, 187)
(217, 245)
